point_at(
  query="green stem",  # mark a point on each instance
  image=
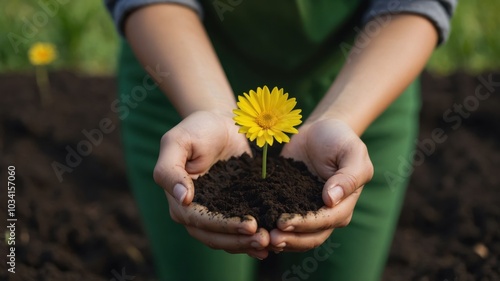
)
(264, 161)
(42, 80)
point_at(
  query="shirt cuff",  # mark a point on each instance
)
(120, 9)
(439, 12)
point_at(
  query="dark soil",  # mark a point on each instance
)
(235, 188)
(87, 227)
(450, 224)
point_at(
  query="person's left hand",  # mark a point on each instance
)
(187, 151)
(332, 151)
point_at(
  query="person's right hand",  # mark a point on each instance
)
(189, 150)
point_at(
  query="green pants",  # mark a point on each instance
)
(356, 252)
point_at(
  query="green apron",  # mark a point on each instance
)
(296, 45)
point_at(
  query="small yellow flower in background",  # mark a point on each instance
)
(42, 53)
(266, 116)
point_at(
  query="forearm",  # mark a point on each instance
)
(374, 76)
(172, 37)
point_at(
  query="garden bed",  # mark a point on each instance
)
(86, 227)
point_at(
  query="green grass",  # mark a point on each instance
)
(87, 41)
(474, 44)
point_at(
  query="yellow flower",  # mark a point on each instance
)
(266, 116)
(42, 53)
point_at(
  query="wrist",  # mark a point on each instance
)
(225, 112)
(222, 105)
(336, 114)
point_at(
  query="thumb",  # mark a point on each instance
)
(170, 172)
(355, 170)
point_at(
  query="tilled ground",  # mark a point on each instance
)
(86, 227)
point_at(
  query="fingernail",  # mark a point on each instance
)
(255, 257)
(336, 194)
(255, 245)
(244, 231)
(289, 228)
(281, 245)
(278, 250)
(180, 192)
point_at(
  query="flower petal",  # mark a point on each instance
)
(246, 106)
(261, 141)
(252, 98)
(269, 139)
(282, 137)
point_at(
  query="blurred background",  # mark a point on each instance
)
(85, 225)
(82, 31)
(86, 41)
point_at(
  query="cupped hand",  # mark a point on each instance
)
(332, 151)
(189, 150)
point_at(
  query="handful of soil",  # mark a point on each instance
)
(235, 188)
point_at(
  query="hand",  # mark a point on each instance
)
(189, 150)
(332, 151)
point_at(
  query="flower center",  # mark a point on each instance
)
(266, 120)
(43, 54)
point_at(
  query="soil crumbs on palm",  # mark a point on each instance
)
(235, 188)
